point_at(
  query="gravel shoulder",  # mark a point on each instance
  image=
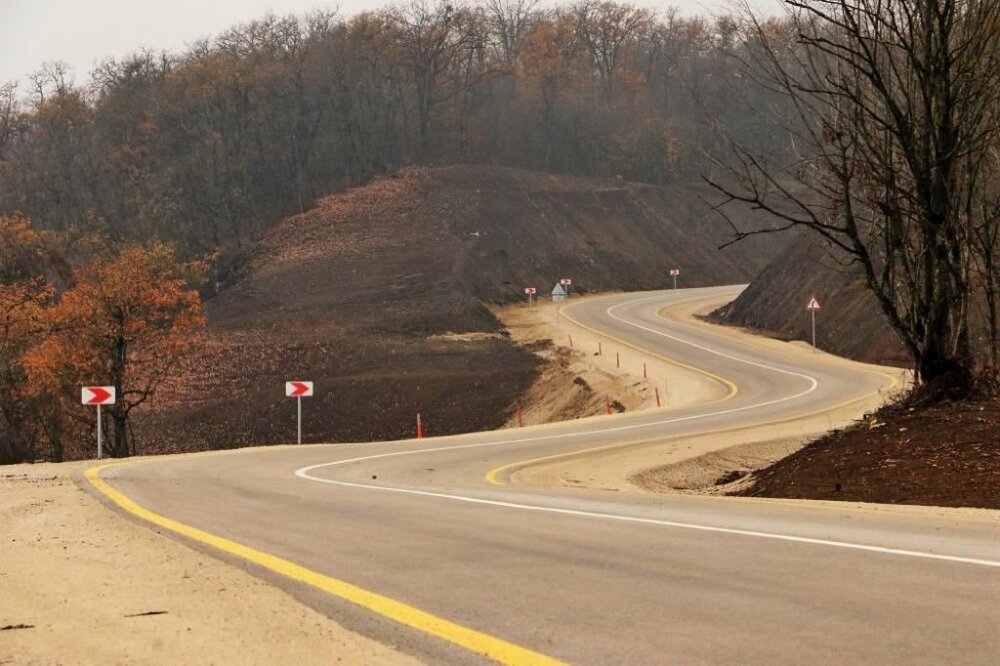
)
(83, 585)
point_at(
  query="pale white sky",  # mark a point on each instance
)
(82, 32)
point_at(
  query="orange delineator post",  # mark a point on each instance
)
(571, 342)
(420, 427)
(599, 350)
(607, 405)
(618, 360)
(656, 389)
(644, 375)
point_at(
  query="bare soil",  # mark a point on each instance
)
(379, 295)
(851, 322)
(81, 585)
(943, 455)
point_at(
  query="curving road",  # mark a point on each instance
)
(411, 543)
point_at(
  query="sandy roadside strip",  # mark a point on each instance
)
(83, 585)
(676, 464)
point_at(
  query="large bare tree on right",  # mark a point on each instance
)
(893, 115)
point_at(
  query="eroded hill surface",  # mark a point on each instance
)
(358, 293)
(850, 323)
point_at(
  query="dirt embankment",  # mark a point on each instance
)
(378, 296)
(944, 455)
(585, 373)
(851, 322)
(80, 585)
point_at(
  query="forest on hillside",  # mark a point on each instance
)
(207, 148)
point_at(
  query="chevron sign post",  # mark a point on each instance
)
(813, 307)
(299, 390)
(97, 396)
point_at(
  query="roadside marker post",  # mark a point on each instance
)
(420, 427)
(530, 291)
(607, 405)
(645, 375)
(600, 352)
(656, 390)
(618, 360)
(674, 272)
(299, 390)
(813, 306)
(97, 396)
(570, 340)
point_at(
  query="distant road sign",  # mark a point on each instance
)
(566, 282)
(813, 304)
(530, 291)
(98, 395)
(298, 389)
(675, 271)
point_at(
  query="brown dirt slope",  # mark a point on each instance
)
(356, 293)
(947, 454)
(850, 324)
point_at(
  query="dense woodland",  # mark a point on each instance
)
(875, 124)
(207, 148)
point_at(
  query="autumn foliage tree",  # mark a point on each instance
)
(124, 323)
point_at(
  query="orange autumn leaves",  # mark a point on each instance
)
(124, 320)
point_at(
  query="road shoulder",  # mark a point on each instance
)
(87, 586)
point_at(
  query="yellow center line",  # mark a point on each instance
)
(499, 476)
(731, 389)
(494, 648)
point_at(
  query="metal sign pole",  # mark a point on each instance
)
(675, 281)
(300, 418)
(814, 327)
(99, 444)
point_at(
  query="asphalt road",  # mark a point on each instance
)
(595, 577)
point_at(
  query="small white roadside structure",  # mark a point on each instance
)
(558, 293)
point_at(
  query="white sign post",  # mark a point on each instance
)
(530, 291)
(299, 390)
(812, 306)
(674, 272)
(97, 396)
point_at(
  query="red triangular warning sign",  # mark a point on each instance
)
(813, 304)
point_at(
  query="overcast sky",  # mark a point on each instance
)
(81, 32)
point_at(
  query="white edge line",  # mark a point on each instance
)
(304, 471)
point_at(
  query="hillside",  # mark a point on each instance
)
(359, 293)
(850, 323)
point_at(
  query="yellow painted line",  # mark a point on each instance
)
(494, 475)
(731, 388)
(494, 648)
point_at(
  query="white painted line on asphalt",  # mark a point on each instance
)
(730, 357)
(304, 472)
(660, 523)
(813, 385)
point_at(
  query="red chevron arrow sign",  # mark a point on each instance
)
(298, 389)
(98, 395)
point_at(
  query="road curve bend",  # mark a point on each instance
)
(411, 543)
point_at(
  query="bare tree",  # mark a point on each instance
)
(606, 28)
(509, 21)
(891, 115)
(8, 114)
(429, 42)
(53, 79)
